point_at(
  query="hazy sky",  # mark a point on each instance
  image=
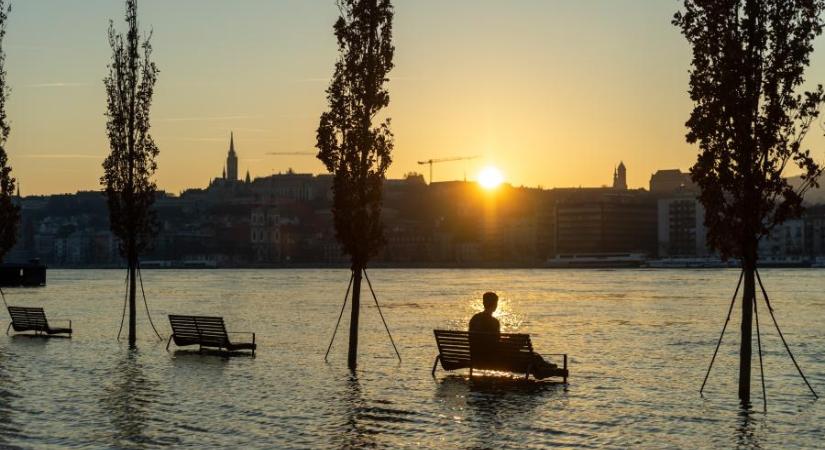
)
(555, 93)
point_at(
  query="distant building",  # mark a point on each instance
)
(618, 223)
(785, 240)
(669, 181)
(265, 234)
(620, 177)
(814, 218)
(290, 185)
(285, 218)
(681, 232)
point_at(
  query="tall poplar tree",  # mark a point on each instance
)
(354, 145)
(749, 120)
(130, 166)
(9, 211)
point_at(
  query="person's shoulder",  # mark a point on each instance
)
(476, 321)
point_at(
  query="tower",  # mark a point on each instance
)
(620, 177)
(232, 160)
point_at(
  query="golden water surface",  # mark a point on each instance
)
(639, 343)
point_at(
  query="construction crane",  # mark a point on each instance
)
(430, 162)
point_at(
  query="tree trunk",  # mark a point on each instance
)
(748, 297)
(132, 295)
(352, 356)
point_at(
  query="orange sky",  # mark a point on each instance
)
(554, 93)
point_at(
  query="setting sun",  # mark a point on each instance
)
(490, 177)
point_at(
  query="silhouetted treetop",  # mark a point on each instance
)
(128, 170)
(9, 211)
(355, 151)
(749, 118)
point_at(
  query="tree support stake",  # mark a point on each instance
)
(343, 307)
(761, 366)
(125, 300)
(770, 310)
(146, 304)
(380, 313)
(382, 316)
(727, 320)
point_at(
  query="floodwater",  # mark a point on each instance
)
(639, 343)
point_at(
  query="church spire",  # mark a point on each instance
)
(620, 177)
(232, 160)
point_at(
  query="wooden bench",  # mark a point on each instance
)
(24, 318)
(507, 352)
(205, 331)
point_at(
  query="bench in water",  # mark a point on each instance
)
(506, 352)
(24, 318)
(205, 331)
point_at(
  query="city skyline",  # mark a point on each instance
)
(512, 85)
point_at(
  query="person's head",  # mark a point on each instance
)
(490, 300)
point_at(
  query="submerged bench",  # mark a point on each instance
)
(205, 331)
(24, 318)
(506, 352)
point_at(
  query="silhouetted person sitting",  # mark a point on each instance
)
(484, 347)
(484, 321)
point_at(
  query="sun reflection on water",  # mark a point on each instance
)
(508, 312)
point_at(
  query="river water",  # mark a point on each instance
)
(639, 343)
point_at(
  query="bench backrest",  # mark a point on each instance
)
(203, 330)
(28, 318)
(488, 351)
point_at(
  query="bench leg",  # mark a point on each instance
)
(565, 369)
(169, 342)
(527, 374)
(7, 329)
(435, 364)
(471, 372)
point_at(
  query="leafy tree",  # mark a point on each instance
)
(9, 211)
(749, 120)
(351, 146)
(128, 170)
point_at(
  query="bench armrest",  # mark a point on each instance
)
(563, 355)
(61, 320)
